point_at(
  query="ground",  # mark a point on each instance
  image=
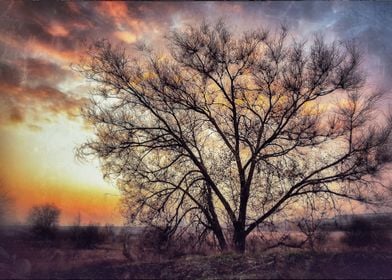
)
(58, 260)
(230, 266)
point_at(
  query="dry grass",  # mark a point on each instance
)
(61, 260)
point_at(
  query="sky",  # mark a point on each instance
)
(41, 95)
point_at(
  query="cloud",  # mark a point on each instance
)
(116, 10)
(25, 90)
(57, 30)
(26, 103)
(38, 40)
(126, 36)
(36, 72)
(9, 74)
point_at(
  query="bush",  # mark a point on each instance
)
(151, 243)
(108, 234)
(315, 237)
(86, 237)
(154, 244)
(44, 221)
(5, 201)
(361, 233)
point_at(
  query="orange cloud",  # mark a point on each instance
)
(128, 24)
(50, 51)
(57, 30)
(116, 10)
(34, 47)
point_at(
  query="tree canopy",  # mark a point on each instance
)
(221, 132)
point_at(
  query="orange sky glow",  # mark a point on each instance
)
(41, 96)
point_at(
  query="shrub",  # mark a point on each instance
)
(108, 234)
(86, 237)
(361, 233)
(44, 221)
(315, 237)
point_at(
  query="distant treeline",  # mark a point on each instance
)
(343, 222)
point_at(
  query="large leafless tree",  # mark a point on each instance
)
(222, 131)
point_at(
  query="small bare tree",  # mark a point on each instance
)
(229, 130)
(44, 220)
(314, 214)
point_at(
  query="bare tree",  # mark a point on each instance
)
(310, 224)
(226, 131)
(44, 220)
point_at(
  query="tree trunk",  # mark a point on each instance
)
(216, 227)
(239, 239)
(221, 240)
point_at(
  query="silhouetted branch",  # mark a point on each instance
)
(227, 130)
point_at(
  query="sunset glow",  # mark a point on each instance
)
(41, 95)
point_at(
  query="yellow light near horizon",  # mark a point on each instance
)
(39, 166)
